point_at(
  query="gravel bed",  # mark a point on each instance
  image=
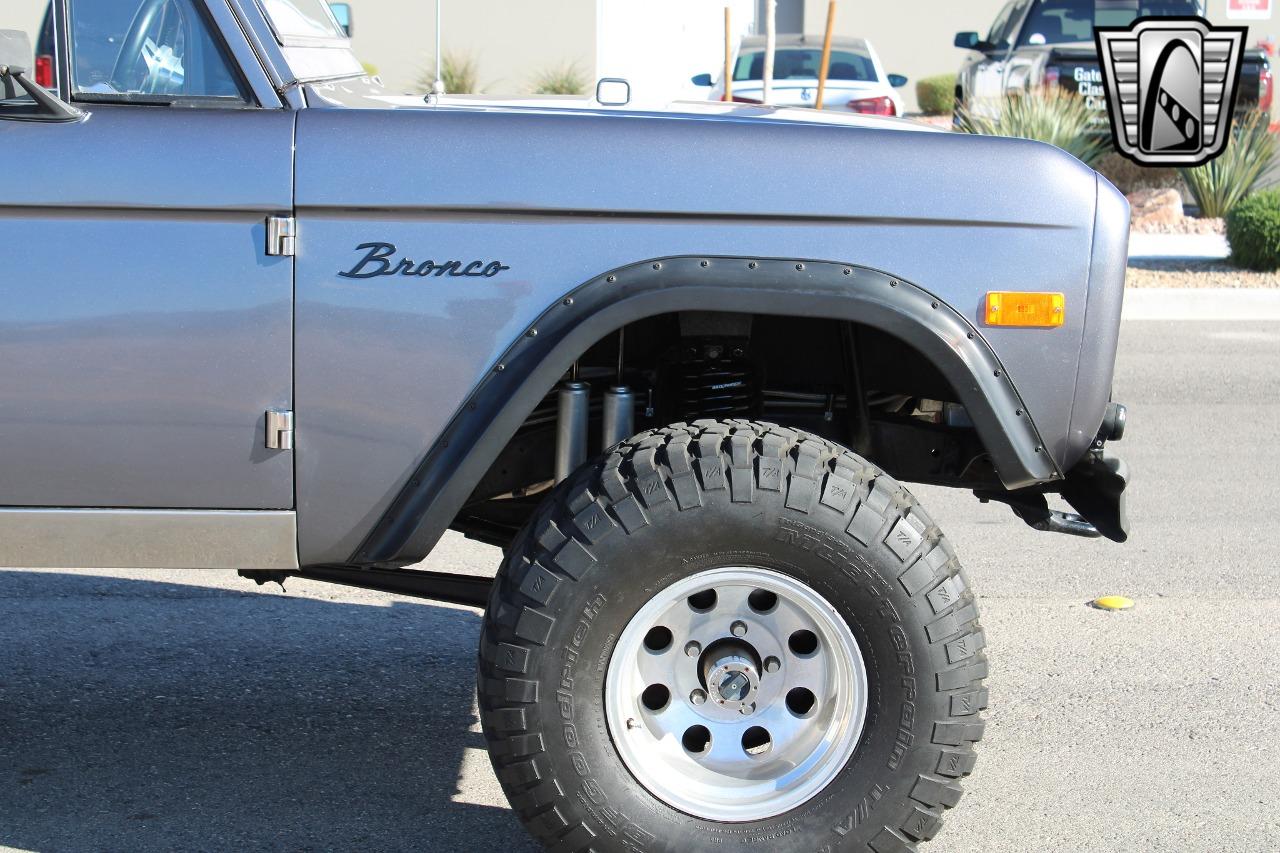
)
(1185, 273)
(1185, 225)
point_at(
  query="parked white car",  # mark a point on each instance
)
(856, 81)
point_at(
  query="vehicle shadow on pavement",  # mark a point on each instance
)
(138, 715)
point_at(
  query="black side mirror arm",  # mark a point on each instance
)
(53, 108)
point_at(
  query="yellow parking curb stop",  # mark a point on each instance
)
(1112, 602)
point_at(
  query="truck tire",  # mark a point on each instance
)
(731, 633)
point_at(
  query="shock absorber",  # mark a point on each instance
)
(572, 403)
(618, 417)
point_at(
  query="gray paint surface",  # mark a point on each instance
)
(145, 331)
(154, 538)
(563, 196)
(138, 368)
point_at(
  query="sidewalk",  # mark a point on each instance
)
(1200, 247)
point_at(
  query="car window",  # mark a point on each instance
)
(148, 51)
(342, 14)
(302, 19)
(1003, 23)
(1062, 21)
(803, 63)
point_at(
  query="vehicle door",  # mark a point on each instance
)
(988, 77)
(146, 328)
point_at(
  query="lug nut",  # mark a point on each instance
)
(738, 629)
(772, 665)
(698, 696)
(693, 648)
(749, 708)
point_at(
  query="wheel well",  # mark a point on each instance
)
(849, 382)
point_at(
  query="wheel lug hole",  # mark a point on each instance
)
(658, 639)
(697, 739)
(703, 602)
(800, 701)
(738, 629)
(756, 741)
(747, 709)
(698, 696)
(772, 665)
(655, 697)
(803, 643)
(693, 648)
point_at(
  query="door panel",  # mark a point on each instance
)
(144, 330)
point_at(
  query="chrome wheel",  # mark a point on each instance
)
(736, 694)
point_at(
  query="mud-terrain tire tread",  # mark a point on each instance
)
(612, 495)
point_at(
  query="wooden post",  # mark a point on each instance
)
(770, 42)
(728, 56)
(826, 55)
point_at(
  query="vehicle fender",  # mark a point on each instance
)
(531, 366)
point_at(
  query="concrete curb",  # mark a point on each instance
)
(1203, 303)
(1205, 247)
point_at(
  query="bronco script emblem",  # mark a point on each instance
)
(380, 259)
(1171, 88)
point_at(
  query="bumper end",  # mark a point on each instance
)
(1095, 488)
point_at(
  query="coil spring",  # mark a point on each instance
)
(716, 388)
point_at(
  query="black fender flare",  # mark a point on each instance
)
(437, 489)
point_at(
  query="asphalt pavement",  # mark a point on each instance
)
(147, 711)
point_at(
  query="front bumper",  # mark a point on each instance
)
(1095, 488)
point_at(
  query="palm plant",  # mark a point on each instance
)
(1051, 115)
(1223, 182)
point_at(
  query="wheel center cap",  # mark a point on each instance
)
(735, 687)
(733, 682)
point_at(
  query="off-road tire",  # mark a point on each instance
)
(674, 501)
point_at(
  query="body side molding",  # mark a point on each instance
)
(148, 538)
(531, 366)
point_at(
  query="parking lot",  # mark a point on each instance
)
(159, 711)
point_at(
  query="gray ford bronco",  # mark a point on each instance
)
(261, 314)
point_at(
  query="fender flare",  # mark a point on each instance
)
(530, 367)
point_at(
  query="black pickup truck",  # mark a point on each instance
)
(1038, 43)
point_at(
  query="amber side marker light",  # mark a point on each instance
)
(1011, 308)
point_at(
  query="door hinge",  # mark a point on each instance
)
(279, 430)
(282, 236)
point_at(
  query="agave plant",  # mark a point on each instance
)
(1051, 115)
(563, 80)
(1223, 182)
